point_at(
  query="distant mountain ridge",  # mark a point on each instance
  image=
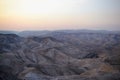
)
(47, 32)
(8, 32)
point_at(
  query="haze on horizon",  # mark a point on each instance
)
(59, 14)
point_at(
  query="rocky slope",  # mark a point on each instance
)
(60, 56)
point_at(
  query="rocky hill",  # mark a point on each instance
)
(60, 56)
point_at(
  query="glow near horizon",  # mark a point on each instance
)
(59, 14)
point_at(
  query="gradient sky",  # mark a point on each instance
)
(59, 14)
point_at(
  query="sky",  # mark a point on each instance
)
(59, 14)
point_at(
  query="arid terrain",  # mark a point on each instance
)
(60, 55)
